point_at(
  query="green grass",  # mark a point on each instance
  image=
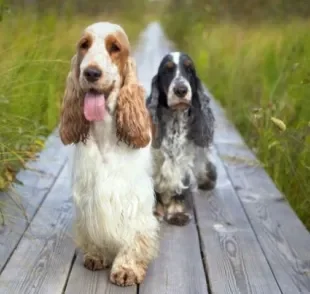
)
(259, 72)
(35, 55)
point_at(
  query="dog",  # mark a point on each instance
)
(183, 129)
(104, 116)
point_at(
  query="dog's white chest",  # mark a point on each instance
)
(112, 190)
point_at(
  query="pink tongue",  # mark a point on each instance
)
(94, 106)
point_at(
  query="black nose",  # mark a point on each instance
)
(180, 90)
(92, 74)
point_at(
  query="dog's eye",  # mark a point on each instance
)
(85, 44)
(114, 48)
(188, 65)
(169, 66)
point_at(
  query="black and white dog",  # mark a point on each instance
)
(183, 125)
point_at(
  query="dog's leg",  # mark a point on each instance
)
(94, 258)
(176, 212)
(207, 176)
(131, 263)
(204, 170)
(96, 262)
(173, 209)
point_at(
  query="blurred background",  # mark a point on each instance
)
(254, 56)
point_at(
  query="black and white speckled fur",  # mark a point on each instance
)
(183, 135)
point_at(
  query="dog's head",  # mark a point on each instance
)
(102, 80)
(177, 80)
(176, 87)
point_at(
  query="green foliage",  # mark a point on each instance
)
(261, 75)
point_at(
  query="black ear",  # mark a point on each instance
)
(152, 100)
(201, 118)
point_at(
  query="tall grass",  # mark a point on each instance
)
(35, 54)
(260, 72)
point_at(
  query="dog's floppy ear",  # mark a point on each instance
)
(74, 127)
(152, 101)
(132, 119)
(201, 117)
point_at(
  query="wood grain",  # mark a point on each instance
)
(282, 236)
(224, 132)
(178, 268)
(83, 281)
(22, 201)
(232, 251)
(42, 260)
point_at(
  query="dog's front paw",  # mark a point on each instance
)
(209, 182)
(95, 264)
(125, 276)
(178, 218)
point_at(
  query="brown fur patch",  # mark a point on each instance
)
(127, 276)
(175, 207)
(118, 46)
(132, 117)
(95, 264)
(176, 215)
(85, 43)
(131, 264)
(169, 64)
(82, 47)
(74, 128)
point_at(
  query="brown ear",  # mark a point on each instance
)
(74, 127)
(132, 118)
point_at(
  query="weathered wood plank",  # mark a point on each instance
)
(42, 260)
(22, 201)
(83, 281)
(152, 46)
(179, 267)
(282, 236)
(232, 251)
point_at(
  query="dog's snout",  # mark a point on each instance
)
(180, 90)
(92, 74)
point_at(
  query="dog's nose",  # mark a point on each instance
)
(180, 90)
(92, 74)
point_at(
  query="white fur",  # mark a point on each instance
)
(112, 182)
(172, 99)
(112, 190)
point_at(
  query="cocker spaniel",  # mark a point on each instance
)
(105, 116)
(183, 126)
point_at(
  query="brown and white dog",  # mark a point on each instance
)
(105, 116)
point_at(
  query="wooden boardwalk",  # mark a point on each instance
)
(244, 239)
